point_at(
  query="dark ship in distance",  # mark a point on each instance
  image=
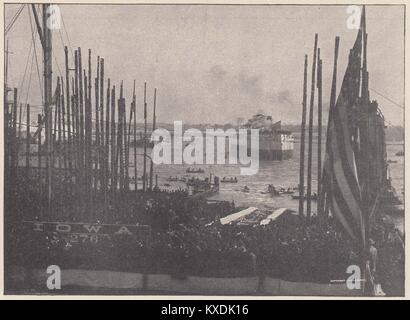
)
(274, 142)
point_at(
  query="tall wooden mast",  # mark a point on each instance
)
(319, 133)
(45, 36)
(46, 42)
(312, 100)
(324, 201)
(302, 143)
(154, 124)
(48, 83)
(145, 139)
(134, 107)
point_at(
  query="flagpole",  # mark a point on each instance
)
(153, 129)
(326, 179)
(145, 139)
(302, 144)
(319, 134)
(134, 106)
(107, 145)
(97, 127)
(365, 151)
(114, 168)
(309, 169)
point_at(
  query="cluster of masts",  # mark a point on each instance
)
(316, 75)
(103, 156)
(87, 139)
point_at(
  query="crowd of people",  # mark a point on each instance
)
(188, 239)
(286, 249)
(388, 251)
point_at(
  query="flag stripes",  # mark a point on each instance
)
(340, 176)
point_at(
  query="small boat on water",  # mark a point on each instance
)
(192, 170)
(229, 180)
(278, 191)
(198, 188)
(204, 192)
(245, 189)
(271, 190)
(176, 179)
(132, 179)
(286, 190)
(391, 161)
(400, 153)
(313, 197)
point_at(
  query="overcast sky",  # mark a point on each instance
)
(213, 64)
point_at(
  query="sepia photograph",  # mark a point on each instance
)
(203, 150)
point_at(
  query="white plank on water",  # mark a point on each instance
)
(238, 215)
(273, 216)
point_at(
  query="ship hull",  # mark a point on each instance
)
(275, 154)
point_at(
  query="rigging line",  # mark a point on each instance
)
(63, 43)
(388, 99)
(30, 54)
(54, 56)
(14, 19)
(389, 123)
(29, 79)
(33, 125)
(58, 66)
(66, 33)
(61, 38)
(36, 106)
(33, 37)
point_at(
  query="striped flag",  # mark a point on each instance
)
(342, 192)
